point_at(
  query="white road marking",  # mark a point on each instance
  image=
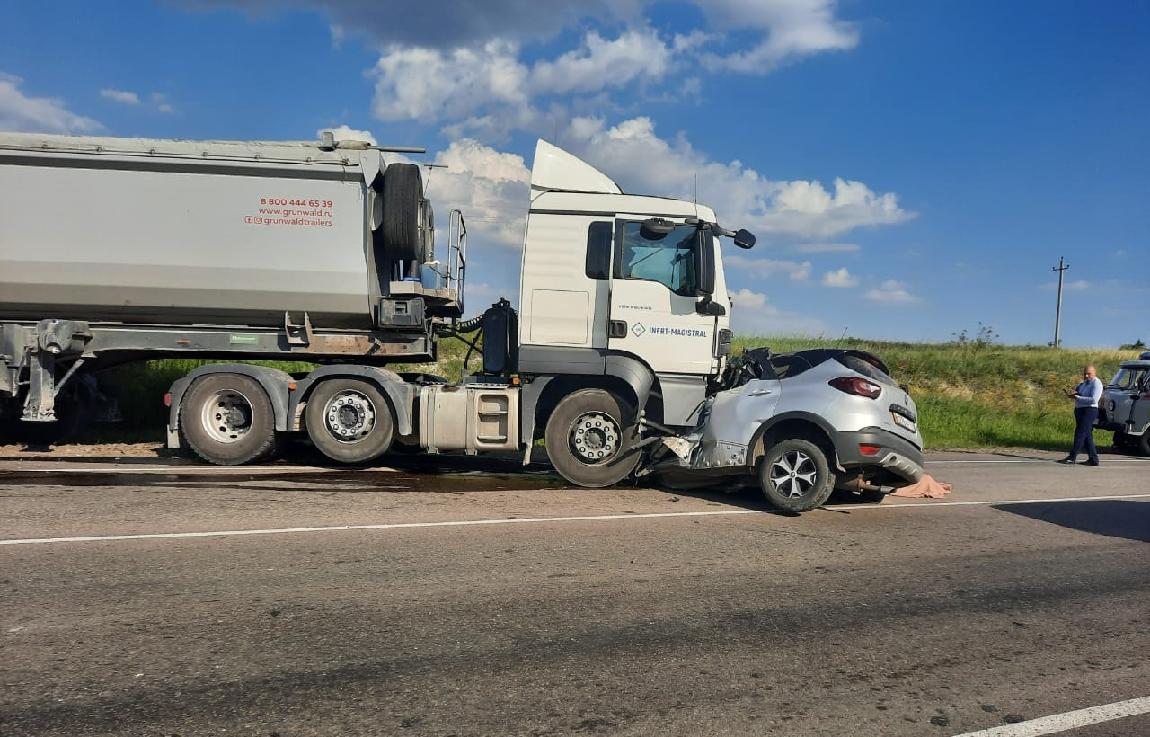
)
(130, 470)
(949, 461)
(931, 503)
(1056, 723)
(927, 504)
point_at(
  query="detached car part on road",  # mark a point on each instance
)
(1125, 405)
(805, 423)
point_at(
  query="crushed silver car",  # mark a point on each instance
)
(805, 423)
(1125, 405)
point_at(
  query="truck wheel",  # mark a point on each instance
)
(349, 420)
(402, 210)
(227, 419)
(795, 475)
(588, 440)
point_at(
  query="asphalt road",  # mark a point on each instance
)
(448, 601)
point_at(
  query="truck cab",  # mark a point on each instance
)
(624, 317)
(624, 285)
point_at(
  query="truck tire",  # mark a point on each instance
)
(589, 438)
(795, 476)
(227, 419)
(349, 420)
(402, 213)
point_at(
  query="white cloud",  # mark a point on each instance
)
(746, 299)
(635, 156)
(490, 187)
(827, 248)
(839, 278)
(155, 101)
(344, 133)
(753, 314)
(19, 112)
(1078, 285)
(766, 267)
(431, 85)
(121, 96)
(789, 28)
(892, 292)
(602, 63)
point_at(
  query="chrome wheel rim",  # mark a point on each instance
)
(793, 474)
(349, 416)
(594, 437)
(227, 416)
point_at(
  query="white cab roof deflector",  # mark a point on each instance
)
(555, 170)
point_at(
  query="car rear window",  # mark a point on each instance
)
(856, 362)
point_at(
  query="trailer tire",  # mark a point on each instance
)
(592, 422)
(795, 476)
(228, 420)
(349, 420)
(402, 213)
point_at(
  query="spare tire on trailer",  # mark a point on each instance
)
(403, 239)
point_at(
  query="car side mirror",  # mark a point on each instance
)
(710, 308)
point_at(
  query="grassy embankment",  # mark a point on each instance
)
(969, 395)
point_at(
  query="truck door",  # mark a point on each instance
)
(654, 292)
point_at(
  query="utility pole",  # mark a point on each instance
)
(1061, 269)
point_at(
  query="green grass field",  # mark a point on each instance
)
(970, 394)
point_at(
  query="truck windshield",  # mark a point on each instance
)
(665, 258)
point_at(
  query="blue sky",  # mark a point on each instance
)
(912, 169)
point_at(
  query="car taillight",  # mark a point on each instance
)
(856, 385)
(868, 449)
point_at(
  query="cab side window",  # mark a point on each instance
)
(667, 258)
(600, 237)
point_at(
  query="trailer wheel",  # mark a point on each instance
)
(228, 420)
(589, 438)
(402, 213)
(349, 420)
(795, 476)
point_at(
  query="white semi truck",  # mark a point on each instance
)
(116, 250)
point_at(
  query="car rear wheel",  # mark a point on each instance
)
(795, 476)
(1144, 443)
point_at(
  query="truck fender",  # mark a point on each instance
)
(399, 392)
(273, 381)
(631, 371)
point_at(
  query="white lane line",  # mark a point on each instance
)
(393, 526)
(1056, 723)
(527, 520)
(951, 461)
(931, 503)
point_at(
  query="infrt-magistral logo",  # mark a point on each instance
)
(638, 329)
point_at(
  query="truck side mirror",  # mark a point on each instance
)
(744, 238)
(704, 264)
(710, 308)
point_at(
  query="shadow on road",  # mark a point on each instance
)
(1110, 517)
